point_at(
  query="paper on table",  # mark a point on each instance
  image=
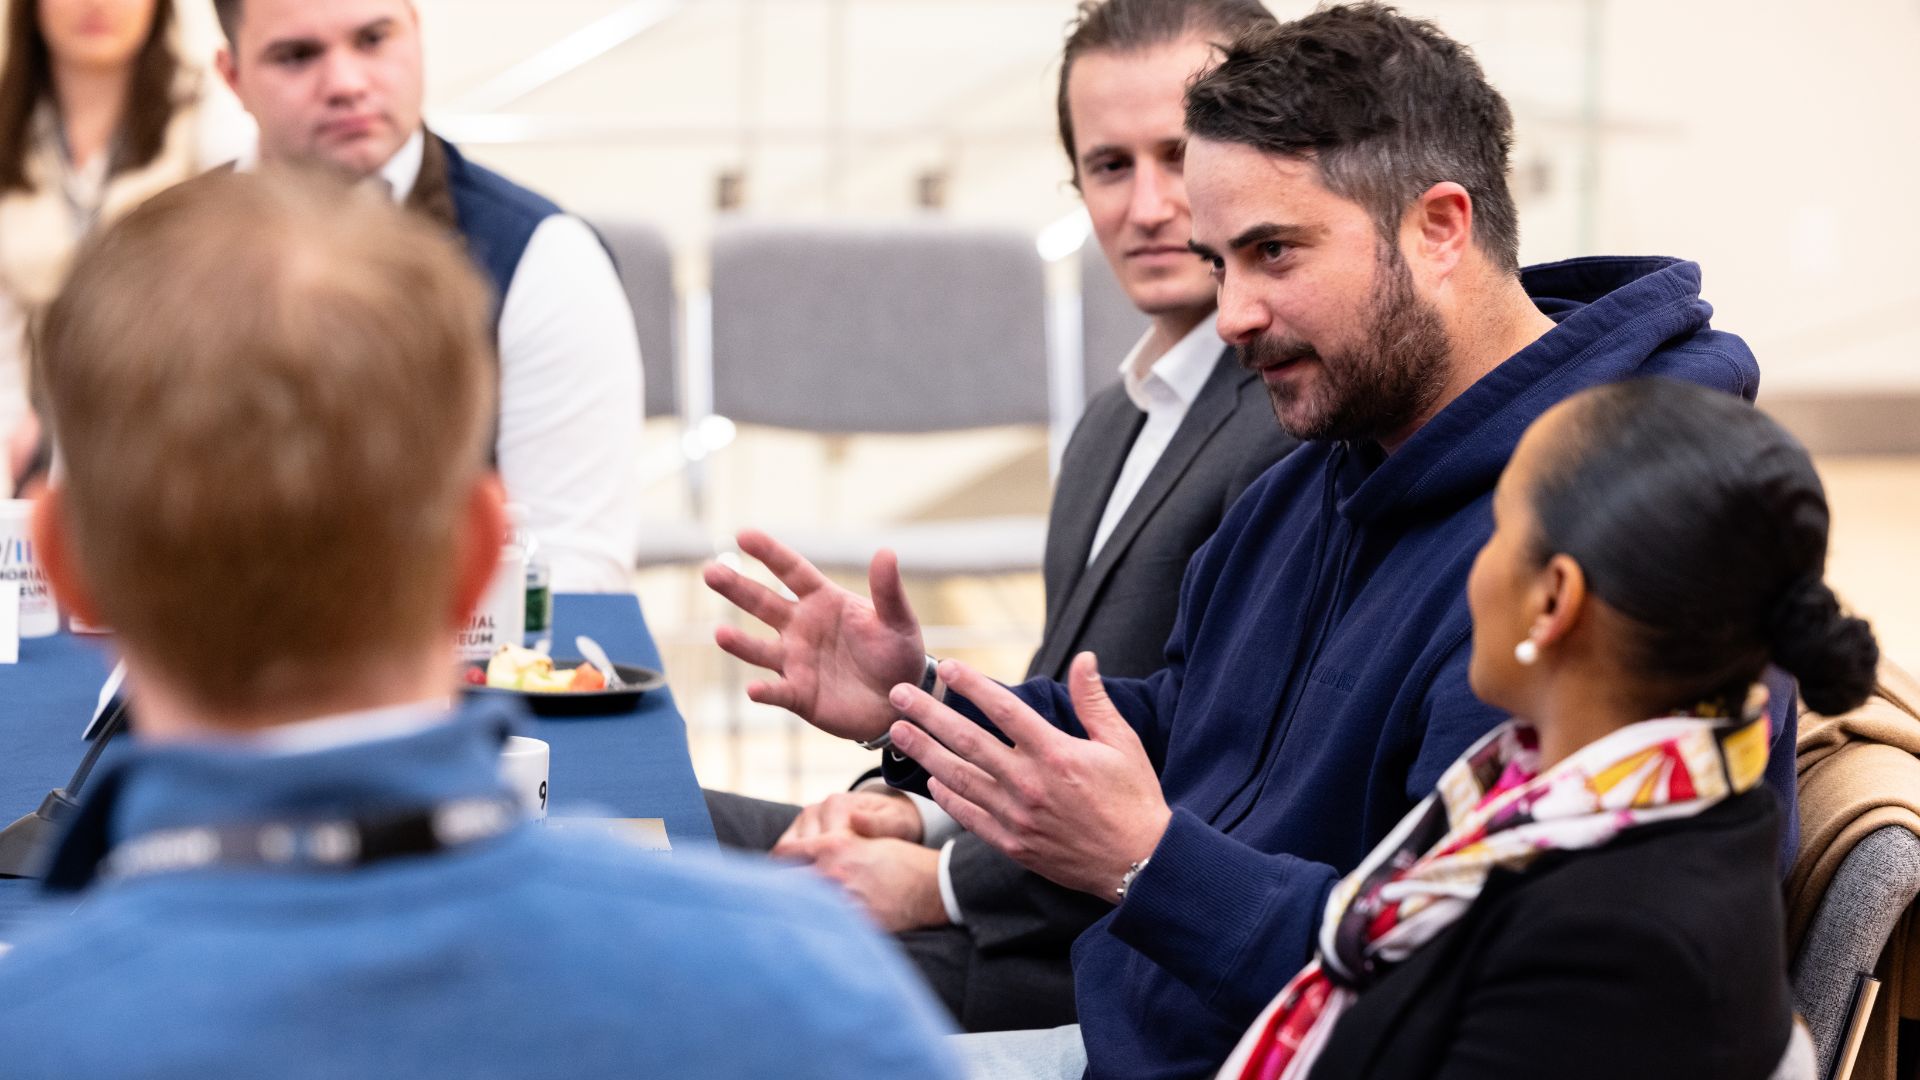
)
(645, 833)
(114, 678)
(9, 622)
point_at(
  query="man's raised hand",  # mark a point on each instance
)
(835, 654)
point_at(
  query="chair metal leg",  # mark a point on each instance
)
(1864, 995)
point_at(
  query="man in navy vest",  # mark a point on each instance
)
(338, 83)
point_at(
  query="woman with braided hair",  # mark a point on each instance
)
(1591, 890)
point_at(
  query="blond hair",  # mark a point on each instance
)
(272, 395)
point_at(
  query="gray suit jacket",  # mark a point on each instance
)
(1121, 607)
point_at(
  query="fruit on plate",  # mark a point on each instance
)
(512, 667)
(515, 668)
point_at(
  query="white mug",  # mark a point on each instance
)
(523, 766)
(38, 616)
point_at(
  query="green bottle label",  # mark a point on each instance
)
(539, 608)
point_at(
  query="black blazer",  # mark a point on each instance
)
(1121, 607)
(1660, 955)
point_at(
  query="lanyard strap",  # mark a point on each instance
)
(333, 844)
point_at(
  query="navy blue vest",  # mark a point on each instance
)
(495, 216)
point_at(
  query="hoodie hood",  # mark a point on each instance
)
(1619, 317)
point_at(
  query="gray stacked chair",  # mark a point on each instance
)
(1109, 323)
(645, 262)
(1874, 886)
(839, 329)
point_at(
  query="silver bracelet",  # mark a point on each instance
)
(1126, 879)
(929, 676)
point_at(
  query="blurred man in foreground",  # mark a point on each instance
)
(338, 84)
(273, 395)
(1152, 467)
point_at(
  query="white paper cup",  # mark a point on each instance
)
(523, 766)
(38, 615)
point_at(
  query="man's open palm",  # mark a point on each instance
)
(836, 654)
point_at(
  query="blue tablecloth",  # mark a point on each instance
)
(628, 764)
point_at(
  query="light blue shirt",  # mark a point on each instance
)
(532, 954)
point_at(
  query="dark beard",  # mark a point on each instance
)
(1372, 392)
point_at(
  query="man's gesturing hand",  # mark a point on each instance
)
(836, 654)
(1077, 811)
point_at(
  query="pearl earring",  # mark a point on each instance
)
(1527, 651)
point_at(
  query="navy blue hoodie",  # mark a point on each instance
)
(1316, 681)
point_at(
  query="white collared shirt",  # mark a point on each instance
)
(348, 728)
(402, 170)
(1164, 391)
(570, 407)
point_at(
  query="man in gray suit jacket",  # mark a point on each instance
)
(1152, 466)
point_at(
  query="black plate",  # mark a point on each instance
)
(639, 680)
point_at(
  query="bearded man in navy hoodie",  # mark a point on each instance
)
(1347, 176)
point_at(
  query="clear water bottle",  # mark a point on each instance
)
(499, 618)
(539, 620)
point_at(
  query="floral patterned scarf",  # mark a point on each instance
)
(1494, 808)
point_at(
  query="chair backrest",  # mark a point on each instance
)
(1109, 323)
(898, 328)
(645, 263)
(1858, 870)
(1873, 888)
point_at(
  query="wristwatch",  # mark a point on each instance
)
(929, 675)
(1126, 879)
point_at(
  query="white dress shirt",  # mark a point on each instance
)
(570, 412)
(349, 728)
(1163, 390)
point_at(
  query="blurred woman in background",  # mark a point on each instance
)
(97, 113)
(1592, 890)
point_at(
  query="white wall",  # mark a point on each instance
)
(1789, 172)
(1774, 141)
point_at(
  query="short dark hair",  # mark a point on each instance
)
(1385, 106)
(26, 80)
(1131, 25)
(228, 12)
(1703, 523)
